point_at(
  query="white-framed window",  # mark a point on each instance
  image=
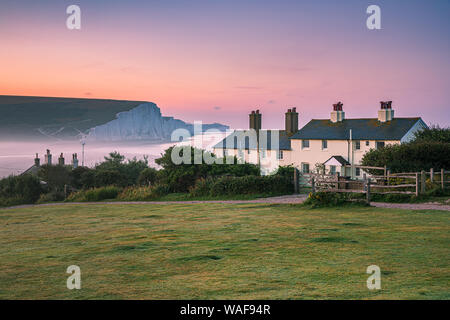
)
(324, 144)
(280, 154)
(357, 145)
(332, 169)
(358, 172)
(305, 144)
(305, 167)
(241, 153)
(379, 144)
(263, 153)
(367, 143)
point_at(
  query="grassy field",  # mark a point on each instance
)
(223, 251)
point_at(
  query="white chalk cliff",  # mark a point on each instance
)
(144, 122)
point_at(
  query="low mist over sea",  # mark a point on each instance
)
(17, 156)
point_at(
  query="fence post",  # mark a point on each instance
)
(295, 180)
(65, 191)
(385, 170)
(336, 176)
(442, 179)
(423, 179)
(417, 184)
(431, 175)
(387, 175)
(313, 185)
(368, 191)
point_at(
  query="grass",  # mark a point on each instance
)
(223, 251)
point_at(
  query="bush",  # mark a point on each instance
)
(326, 199)
(148, 177)
(410, 157)
(139, 193)
(12, 201)
(95, 194)
(136, 194)
(242, 185)
(51, 197)
(24, 189)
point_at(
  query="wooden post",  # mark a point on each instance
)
(65, 191)
(368, 191)
(336, 176)
(385, 170)
(295, 180)
(417, 184)
(313, 185)
(423, 179)
(442, 179)
(388, 173)
(431, 175)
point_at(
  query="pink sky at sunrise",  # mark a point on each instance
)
(215, 61)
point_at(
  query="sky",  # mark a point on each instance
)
(216, 60)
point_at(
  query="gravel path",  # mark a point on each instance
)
(289, 199)
(412, 206)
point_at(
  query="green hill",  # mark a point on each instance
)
(40, 117)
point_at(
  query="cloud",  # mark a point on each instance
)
(88, 94)
(271, 101)
(217, 108)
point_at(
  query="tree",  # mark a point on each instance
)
(433, 134)
(410, 157)
(148, 177)
(55, 176)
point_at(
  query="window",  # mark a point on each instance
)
(305, 167)
(263, 153)
(367, 143)
(358, 172)
(324, 144)
(379, 144)
(280, 155)
(241, 153)
(332, 169)
(305, 144)
(357, 145)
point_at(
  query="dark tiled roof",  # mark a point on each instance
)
(339, 159)
(362, 129)
(239, 137)
(31, 170)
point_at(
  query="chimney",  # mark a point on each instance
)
(61, 160)
(337, 115)
(37, 161)
(291, 121)
(385, 113)
(255, 120)
(74, 161)
(48, 158)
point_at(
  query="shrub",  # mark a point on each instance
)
(12, 201)
(140, 193)
(148, 177)
(55, 176)
(410, 157)
(22, 189)
(326, 199)
(136, 194)
(242, 185)
(51, 196)
(95, 194)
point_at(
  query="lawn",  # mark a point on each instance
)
(223, 251)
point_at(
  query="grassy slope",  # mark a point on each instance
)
(23, 115)
(218, 251)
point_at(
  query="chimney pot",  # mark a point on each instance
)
(337, 115)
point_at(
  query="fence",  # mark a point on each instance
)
(413, 183)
